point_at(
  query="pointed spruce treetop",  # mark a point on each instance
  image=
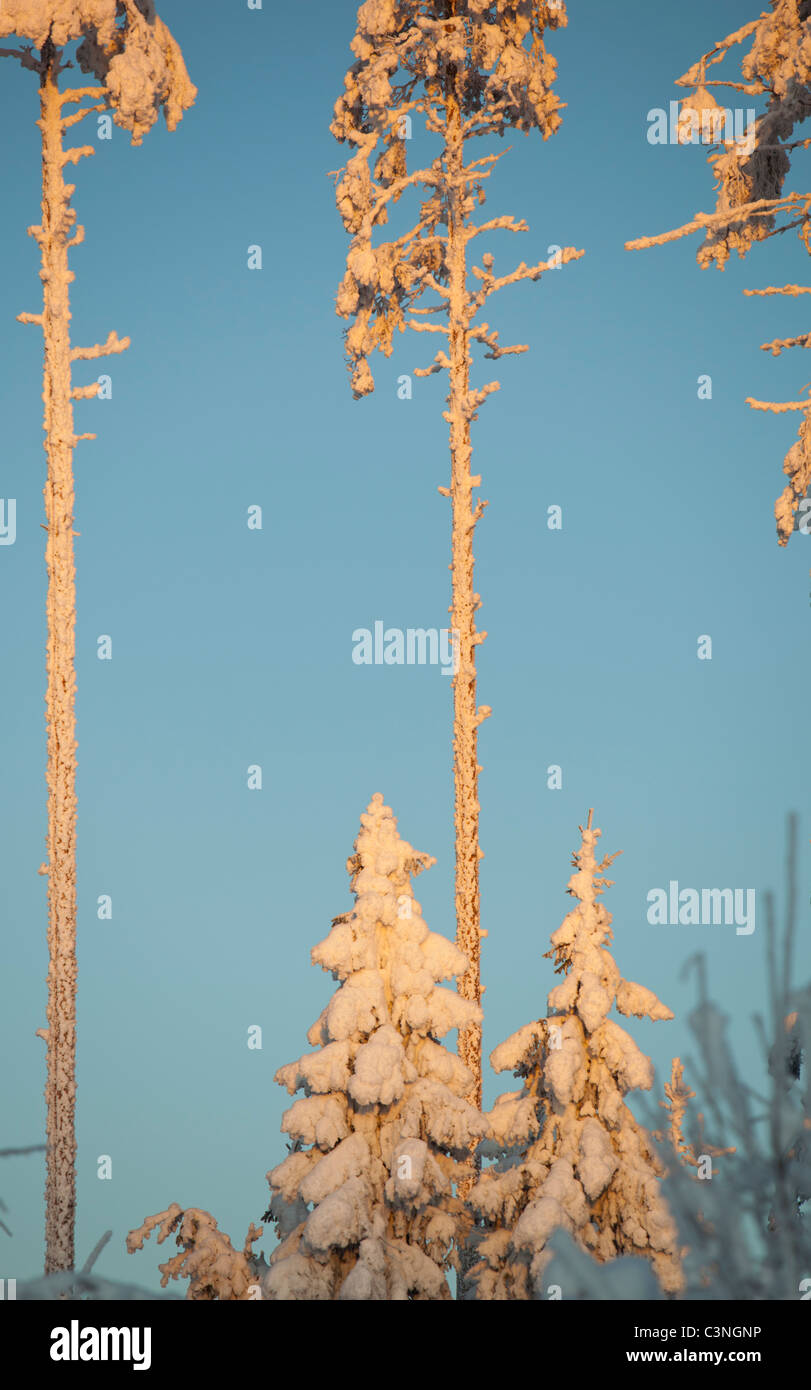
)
(365, 1199)
(124, 44)
(570, 1152)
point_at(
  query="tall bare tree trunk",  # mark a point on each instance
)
(464, 602)
(155, 62)
(456, 55)
(55, 237)
(60, 1088)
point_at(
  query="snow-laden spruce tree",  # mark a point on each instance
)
(467, 68)
(570, 1152)
(750, 172)
(365, 1201)
(140, 70)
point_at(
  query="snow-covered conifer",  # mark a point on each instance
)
(365, 1201)
(140, 68)
(214, 1269)
(750, 169)
(570, 1152)
(478, 68)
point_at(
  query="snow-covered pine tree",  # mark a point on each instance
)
(570, 1152)
(469, 68)
(365, 1200)
(140, 68)
(750, 170)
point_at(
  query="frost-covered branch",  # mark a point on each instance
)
(490, 284)
(777, 407)
(114, 344)
(779, 345)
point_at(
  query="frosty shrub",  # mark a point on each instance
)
(80, 1288)
(83, 1285)
(364, 1203)
(214, 1269)
(570, 1154)
(465, 70)
(750, 174)
(125, 45)
(747, 1227)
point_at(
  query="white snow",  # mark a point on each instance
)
(598, 1162)
(636, 999)
(381, 1069)
(509, 1054)
(341, 1219)
(350, 1159)
(316, 1120)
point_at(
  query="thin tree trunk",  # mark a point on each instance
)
(168, 80)
(464, 604)
(60, 1088)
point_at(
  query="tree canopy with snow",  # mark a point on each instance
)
(365, 1201)
(570, 1153)
(750, 173)
(468, 70)
(124, 43)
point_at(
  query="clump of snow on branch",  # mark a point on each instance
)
(215, 1270)
(750, 174)
(124, 43)
(570, 1153)
(364, 1202)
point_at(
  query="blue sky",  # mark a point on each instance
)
(232, 647)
